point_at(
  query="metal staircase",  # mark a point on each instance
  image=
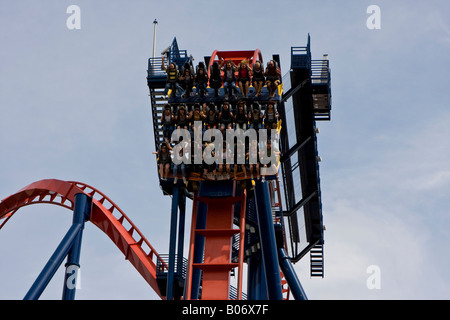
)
(306, 99)
(156, 81)
(158, 101)
(321, 89)
(316, 261)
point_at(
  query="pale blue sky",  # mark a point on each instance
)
(75, 106)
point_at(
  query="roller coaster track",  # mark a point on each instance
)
(105, 214)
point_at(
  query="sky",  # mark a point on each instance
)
(74, 106)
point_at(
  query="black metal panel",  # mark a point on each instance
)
(307, 155)
(300, 163)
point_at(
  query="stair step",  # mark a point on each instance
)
(217, 232)
(215, 266)
(158, 92)
(316, 261)
(159, 98)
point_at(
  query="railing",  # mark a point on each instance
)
(155, 68)
(233, 294)
(320, 72)
(163, 261)
(176, 55)
(321, 81)
(299, 50)
(161, 269)
(301, 56)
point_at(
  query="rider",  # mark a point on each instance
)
(273, 77)
(172, 78)
(229, 78)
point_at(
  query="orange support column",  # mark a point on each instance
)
(218, 241)
(218, 230)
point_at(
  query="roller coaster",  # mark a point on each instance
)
(252, 229)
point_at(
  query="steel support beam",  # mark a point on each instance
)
(268, 241)
(70, 243)
(82, 212)
(199, 249)
(172, 243)
(291, 276)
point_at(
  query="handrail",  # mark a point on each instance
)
(155, 68)
(162, 263)
(320, 71)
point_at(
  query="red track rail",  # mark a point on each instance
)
(105, 214)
